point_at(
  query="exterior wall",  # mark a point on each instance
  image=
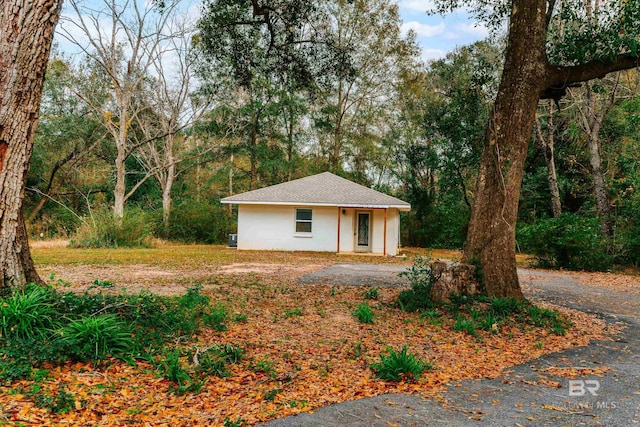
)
(347, 230)
(269, 227)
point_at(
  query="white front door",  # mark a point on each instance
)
(363, 231)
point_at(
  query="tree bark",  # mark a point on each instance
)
(26, 33)
(168, 182)
(527, 77)
(548, 149)
(593, 124)
(491, 235)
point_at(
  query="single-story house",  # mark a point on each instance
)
(322, 212)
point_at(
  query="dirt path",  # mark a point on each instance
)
(538, 393)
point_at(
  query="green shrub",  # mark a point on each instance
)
(101, 230)
(59, 404)
(228, 352)
(95, 338)
(263, 365)
(216, 318)
(548, 319)
(464, 324)
(198, 222)
(570, 241)
(421, 279)
(505, 307)
(372, 293)
(398, 366)
(364, 313)
(27, 313)
(212, 364)
(174, 371)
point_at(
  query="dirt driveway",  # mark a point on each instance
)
(605, 374)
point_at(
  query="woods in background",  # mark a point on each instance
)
(243, 98)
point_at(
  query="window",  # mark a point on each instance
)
(303, 220)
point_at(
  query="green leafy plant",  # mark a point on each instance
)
(58, 404)
(421, 279)
(95, 338)
(228, 352)
(401, 365)
(27, 313)
(216, 318)
(364, 313)
(212, 364)
(293, 312)
(372, 293)
(464, 324)
(271, 394)
(432, 316)
(570, 241)
(504, 307)
(239, 422)
(240, 318)
(263, 365)
(173, 370)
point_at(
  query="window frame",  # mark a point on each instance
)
(303, 221)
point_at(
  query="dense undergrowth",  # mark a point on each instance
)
(61, 327)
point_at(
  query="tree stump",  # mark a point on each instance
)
(452, 279)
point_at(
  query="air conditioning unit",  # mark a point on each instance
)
(233, 240)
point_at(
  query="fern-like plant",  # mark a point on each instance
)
(399, 365)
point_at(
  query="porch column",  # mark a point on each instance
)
(385, 233)
(339, 218)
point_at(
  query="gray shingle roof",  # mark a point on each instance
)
(323, 189)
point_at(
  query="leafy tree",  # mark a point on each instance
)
(586, 49)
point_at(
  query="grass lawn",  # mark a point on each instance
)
(303, 345)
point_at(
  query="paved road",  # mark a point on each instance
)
(513, 399)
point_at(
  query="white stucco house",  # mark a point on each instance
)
(322, 212)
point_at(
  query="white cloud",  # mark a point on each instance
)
(432, 54)
(417, 5)
(475, 29)
(424, 30)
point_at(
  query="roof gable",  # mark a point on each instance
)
(323, 189)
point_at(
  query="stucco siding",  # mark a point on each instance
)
(272, 227)
(268, 227)
(347, 230)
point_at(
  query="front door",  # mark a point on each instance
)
(363, 232)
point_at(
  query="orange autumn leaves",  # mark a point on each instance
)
(303, 349)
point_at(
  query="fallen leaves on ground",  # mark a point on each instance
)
(319, 356)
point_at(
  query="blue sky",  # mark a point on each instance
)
(438, 35)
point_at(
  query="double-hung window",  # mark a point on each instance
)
(303, 220)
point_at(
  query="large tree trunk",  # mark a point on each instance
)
(491, 235)
(26, 32)
(527, 76)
